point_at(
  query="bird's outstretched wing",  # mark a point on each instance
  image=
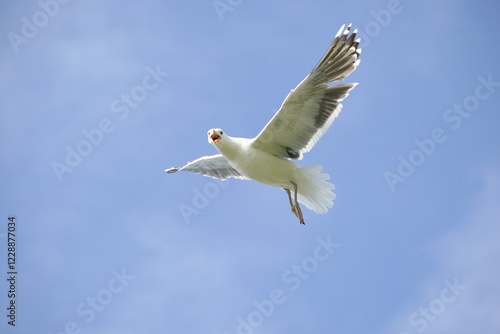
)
(215, 166)
(310, 108)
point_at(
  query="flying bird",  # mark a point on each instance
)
(305, 115)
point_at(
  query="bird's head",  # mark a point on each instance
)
(215, 136)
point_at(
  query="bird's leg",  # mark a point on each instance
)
(297, 211)
(292, 207)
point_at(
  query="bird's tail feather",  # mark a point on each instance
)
(313, 189)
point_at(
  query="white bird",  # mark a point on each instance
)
(305, 115)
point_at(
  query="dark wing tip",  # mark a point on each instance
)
(293, 154)
(172, 170)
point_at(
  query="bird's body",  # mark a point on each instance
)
(256, 164)
(305, 115)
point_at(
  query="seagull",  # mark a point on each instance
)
(303, 118)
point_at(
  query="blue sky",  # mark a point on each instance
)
(98, 98)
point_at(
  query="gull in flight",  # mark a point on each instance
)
(305, 115)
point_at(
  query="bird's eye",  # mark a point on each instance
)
(221, 132)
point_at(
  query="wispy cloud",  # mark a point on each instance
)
(468, 256)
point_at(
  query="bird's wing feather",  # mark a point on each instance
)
(215, 166)
(310, 108)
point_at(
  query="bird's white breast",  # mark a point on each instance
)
(259, 165)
